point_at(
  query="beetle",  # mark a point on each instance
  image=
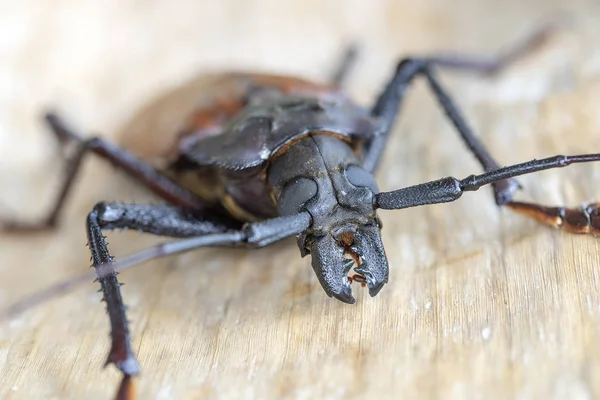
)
(267, 157)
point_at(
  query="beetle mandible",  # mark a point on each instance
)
(271, 157)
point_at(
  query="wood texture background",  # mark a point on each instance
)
(481, 303)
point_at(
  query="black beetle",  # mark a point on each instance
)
(268, 157)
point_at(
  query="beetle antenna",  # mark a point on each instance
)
(253, 234)
(103, 270)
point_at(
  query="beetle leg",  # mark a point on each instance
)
(585, 220)
(167, 221)
(254, 234)
(344, 66)
(494, 65)
(201, 229)
(120, 353)
(126, 389)
(160, 220)
(580, 220)
(388, 106)
(139, 170)
(163, 220)
(390, 101)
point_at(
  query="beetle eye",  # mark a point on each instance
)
(295, 194)
(361, 178)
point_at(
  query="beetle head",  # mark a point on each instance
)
(345, 232)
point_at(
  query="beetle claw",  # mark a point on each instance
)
(332, 268)
(374, 266)
(345, 294)
(347, 265)
(372, 282)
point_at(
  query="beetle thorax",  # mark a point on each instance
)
(314, 174)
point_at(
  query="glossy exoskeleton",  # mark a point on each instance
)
(264, 157)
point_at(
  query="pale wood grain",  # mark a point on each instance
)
(481, 303)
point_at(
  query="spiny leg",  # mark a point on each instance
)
(125, 161)
(206, 229)
(162, 220)
(120, 352)
(585, 220)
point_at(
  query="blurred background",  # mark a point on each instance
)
(481, 303)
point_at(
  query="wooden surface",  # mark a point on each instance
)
(481, 303)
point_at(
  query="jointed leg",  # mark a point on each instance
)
(585, 219)
(342, 70)
(387, 107)
(206, 230)
(123, 160)
(388, 104)
(163, 220)
(496, 64)
(390, 101)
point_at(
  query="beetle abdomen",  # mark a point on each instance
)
(201, 108)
